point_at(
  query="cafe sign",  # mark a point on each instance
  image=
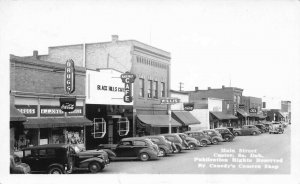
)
(128, 78)
(67, 104)
(188, 106)
(69, 76)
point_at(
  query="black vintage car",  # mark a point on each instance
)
(133, 148)
(262, 128)
(165, 146)
(226, 134)
(62, 159)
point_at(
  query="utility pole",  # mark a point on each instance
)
(180, 86)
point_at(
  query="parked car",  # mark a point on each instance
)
(261, 128)
(191, 142)
(200, 136)
(62, 159)
(267, 125)
(231, 129)
(276, 128)
(247, 130)
(17, 167)
(216, 137)
(165, 146)
(225, 133)
(133, 148)
(179, 143)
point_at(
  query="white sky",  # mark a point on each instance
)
(253, 44)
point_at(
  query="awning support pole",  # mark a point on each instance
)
(170, 118)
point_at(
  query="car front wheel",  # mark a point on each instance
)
(144, 157)
(55, 170)
(94, 167)
(227, 138)
(215, 141)
(178, 148)
(254, 133)
(162, 151)
(203, 143)
(192, 146)
(236, 134)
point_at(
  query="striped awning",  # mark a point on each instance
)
(184, 117)
(223, 116)
(158, 120)
(16, 115)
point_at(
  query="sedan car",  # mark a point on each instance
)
(133, 148)
(179, 143)
(190, 141)
(261, 128)
(165, 146)
(216, 137)
(276, 128)
(247, 130)
(200, 136)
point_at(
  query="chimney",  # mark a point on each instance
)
(114, 38)
(196, 88)
(209, 88)
(35, 54)
(223, 87)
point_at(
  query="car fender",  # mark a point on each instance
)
(205, 139)
(85, 163)
(58, 165)
(149, 151)
(111, 154)
(164, 147)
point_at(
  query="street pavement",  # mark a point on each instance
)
(262, 154)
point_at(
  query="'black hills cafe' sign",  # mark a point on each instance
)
(128, 79)
(68, 104)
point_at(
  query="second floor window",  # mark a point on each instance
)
(155, 89)
(163, 89)
(142, 86)
(150, 88)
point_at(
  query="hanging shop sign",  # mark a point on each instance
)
(128, 79)
(69, 76)
(188, 106)
(253, 110)
(241, 106)
(67, 104)
(78, 111)
(169, 100)
(27, 110)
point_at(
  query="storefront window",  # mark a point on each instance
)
(99, 128)
(123, 126)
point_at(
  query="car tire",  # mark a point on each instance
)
(236, 134)
(203, 143)
(178, 148)
(94, 167)
(144, 157)
(215, 141)
(163, 151)
(55, 170)
(227, 138)
(254, 133)
(192, 146)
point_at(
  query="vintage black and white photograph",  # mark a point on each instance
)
(170, 91)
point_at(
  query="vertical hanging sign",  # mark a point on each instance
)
(69, 76)
(128, 79)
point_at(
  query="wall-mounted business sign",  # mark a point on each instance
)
(188, 106)
(78, 111)
(169, 100)
(128, 78)
(53, 111)
(27, 110)
(69, 76)
(67, 104)
(105, 87)
(253, 110)
(241, 106)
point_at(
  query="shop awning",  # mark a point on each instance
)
(184, 117)
(242, 112)
(16, 115)
(57, 122)
(158, 120)
(223, 116)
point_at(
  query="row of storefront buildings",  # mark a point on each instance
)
(101, 113)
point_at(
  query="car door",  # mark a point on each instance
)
(124, 149)
(245, 130)
(30, 157)
(138, 146)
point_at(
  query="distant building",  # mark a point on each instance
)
(253, 107)
(286, 110)
(231, 98)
